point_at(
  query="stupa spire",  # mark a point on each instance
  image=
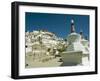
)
(72, 26)
(81, 33)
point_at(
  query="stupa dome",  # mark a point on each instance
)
(73, 37)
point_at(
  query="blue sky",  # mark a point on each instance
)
(57, 23)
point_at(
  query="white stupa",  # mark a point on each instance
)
(77, 51)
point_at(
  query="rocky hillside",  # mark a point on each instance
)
(43, 40)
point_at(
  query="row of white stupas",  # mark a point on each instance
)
(77, 51)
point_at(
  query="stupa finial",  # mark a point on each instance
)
(81, 33)
(72, 26)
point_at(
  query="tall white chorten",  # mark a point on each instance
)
(77, 51)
